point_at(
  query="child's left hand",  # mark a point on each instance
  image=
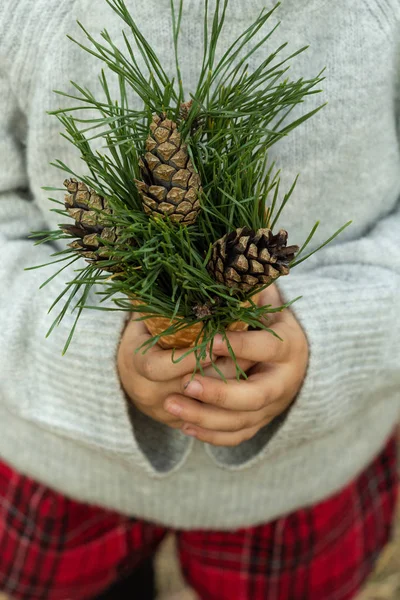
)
(234, 411)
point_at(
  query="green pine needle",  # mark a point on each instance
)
(236, 116)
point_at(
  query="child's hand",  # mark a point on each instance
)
(232, 412)
(148, 379)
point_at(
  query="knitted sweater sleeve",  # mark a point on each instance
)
(77, 395)
(349, 310)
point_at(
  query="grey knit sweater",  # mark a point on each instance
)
(65, 420)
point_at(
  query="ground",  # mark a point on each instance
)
(385, 583)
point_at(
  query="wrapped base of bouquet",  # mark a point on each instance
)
(189, 335)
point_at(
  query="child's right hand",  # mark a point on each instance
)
(148, 379)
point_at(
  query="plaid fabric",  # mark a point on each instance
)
(53, 548)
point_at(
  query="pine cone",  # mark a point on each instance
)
(246, 259)
(171, 186)
(185, 109)
(202, 310)
(90, 212)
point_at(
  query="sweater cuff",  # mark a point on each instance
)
(352, 331)
(79, 395)
(165, 449)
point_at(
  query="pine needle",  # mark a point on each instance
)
(236, 116)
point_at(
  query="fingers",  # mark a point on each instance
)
(218, 438)
(250, 395)
(210, 417)
(151, 393)
(227, 367)
(157, 364)
(213, 425)
(271, 297)
(161, 365)
(162, 416)
(257, 346)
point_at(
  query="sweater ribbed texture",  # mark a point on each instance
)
(64, 420)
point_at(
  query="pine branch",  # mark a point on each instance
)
(236, 115)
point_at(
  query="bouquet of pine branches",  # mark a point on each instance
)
(176, 219)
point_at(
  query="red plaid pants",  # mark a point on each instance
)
(54, 548)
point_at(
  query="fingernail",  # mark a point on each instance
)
(206, 363)
(207, 360)
(187, 430)
(194, 388)
(174, 408)
(218, 342)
